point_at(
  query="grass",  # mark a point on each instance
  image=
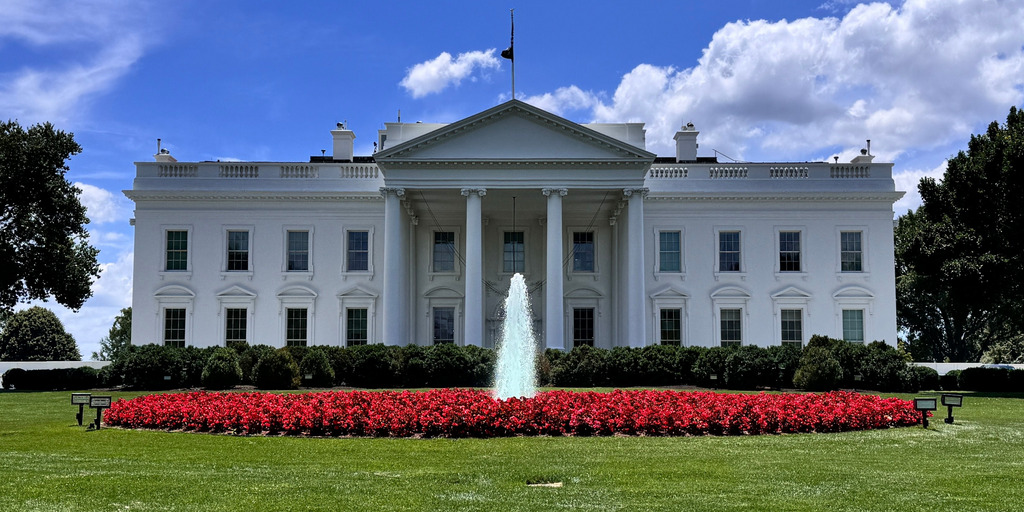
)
(47, 462)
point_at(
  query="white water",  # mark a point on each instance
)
(515, 374)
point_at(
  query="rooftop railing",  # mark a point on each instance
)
(256, 170)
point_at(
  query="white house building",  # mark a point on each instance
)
(417, 243)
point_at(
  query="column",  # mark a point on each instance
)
(554, 300)
(636, 298)
(473, 332)
(394, 315)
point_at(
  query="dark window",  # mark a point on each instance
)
(296, 327)
(789, 251)
(234, 331)
(174, 327)
(669, 255)
(850, 252)
(792, 326)
(355, 326)
(238, 250)
(513, 252)
(583, 251)
(444, 251)
(358, 251)
(671, 327)
(298, 251)
(444, 325)
(177, 250)
(732, 327)
(729, 251)
(583, 326)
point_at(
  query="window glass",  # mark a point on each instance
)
(851, 255)
(235, 325)
(792, 326)
(177, 251)
(444, 251)
(583, 251)
(513, 252)
(355, 326)
(358, 251)
(174, 327)
(853, 325)
(671, 327)
(669, 256)
(731, 328)
(444, 325)
(238, 250)
(296, 327)
(789, 251)
(729, 251)
(298, 251)
(583, 327)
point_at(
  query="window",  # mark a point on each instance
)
(444, 325)
(853, 325)
(177, 251)
(296, 326)
(583, 251)
(789, 251)
(851, 254)
(513, 255)
(444, 251)
(238, 251)
(671, 327)
(355, 326)
(235, 326)
(792, 326)
(728, 251)
(582, 326)
(358, 248)
(174, 327)
(669, 251)
(731, 327)
(298, 251)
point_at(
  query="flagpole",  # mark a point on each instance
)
(512, 38)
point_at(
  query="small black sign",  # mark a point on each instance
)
(80, 398)
(99, 402)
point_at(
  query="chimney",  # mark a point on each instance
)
(865, 156)
(162, 155)
(686, 144)
(343, 142)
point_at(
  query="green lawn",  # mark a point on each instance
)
(47, 462)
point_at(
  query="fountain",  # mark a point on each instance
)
(515, 374)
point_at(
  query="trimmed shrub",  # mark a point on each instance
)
(341, 363)
(783, 362)
(412, 370)
(249, 357)
(819, 370)
(544, 368)
(659, 365)
(950, 381)
(54, 379)
(193, 362)
(624, 366)
(927, 378)
(446, 366)
(748, 367)
(222, 370)
(151, 367)
(884, 368)
(711, 363)
(297, 352)
(276, 370)
(581, 366)
(480, 369)
(985, 379)
(316, 370)
(686, 360)
(373, 366)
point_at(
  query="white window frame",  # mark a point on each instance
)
(658, 273)
(731, 297)
(190, 249)
(226, 230)
(457, 269)
(853, 297)
(585, 298)
(174, 297)
(357, 298)
(803, 324)
(370, 254)
(863, 325)
(294, 297)
(237, 297)
(308, 273)
(567, 247)
(803, 251)
(742, 273)
(864, 268)
(525, 229)
(791, 297)
(669, 298)
(443, 297)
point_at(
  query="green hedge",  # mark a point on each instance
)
(56, 379)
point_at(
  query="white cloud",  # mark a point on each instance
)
(911, 78)
(103, 206)
(435, 75)
(103, 38)
(564, 99)
(907, 181)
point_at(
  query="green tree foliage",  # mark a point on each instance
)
(36, 334)
(960, 256)
(43, 242)
(117, 339)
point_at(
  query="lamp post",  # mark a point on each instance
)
(952, 400)
(924, 405)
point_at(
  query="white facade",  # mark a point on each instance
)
(645, 250)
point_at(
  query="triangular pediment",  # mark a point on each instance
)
(357, 292)
(791, 292)
(513, 131)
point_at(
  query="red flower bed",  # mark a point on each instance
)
(474, 413)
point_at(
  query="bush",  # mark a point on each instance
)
(411, 366)
(445, 365)
(927, 378)
(711, 363)
(193, 362)
(54, 379)
(748, 367)
(582, 366)
(686, 360)
(624, 366)
(481, 361)
(818, 370)
(276, 370)
(884, 368)
(985, 379)
(248, 358)
(222, 370)
(658, 364)
(151, 367)
(950, 381)
(36, 334)
(373, 366)
(316, 369)
(784, 360)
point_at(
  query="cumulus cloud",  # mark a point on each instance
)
(106, 37)
(907, 181)
(436, 75)
(912, 77)
(103, 206)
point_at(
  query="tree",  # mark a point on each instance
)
(960, 256)
(36, 334)
(43, 242)
(118, 337)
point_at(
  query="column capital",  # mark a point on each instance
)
(397, 191)
(479, 191)
(639, 190)
(560, 191)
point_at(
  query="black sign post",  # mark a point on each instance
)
(99, 403)
(81, 400)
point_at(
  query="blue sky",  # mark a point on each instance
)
(260, 80)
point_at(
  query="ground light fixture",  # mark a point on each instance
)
(924, 405)
(952, 400)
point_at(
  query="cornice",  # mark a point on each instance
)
(818, 196)
(199, 195)
(634, 163)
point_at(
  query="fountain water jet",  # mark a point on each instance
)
(515, 374)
